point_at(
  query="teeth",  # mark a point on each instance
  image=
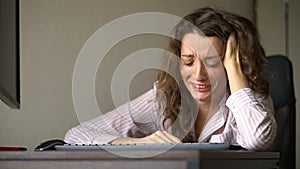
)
(200, 86)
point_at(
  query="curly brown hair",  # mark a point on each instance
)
(208, 22)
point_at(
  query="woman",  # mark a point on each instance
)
(210, 89)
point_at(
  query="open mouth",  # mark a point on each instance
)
(201, 88)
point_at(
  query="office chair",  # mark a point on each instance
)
(280, 78)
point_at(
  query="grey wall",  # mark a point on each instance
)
(52, 35)
(271, 25)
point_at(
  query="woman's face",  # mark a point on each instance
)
(201, 67)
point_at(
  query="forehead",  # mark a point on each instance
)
(202, 45)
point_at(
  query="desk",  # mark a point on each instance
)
(173, 159)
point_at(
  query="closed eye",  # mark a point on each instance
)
(212, 61)
(187, 59)
(188, 63)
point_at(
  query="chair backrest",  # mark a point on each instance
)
(280, 77)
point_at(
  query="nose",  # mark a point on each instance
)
(199, 71)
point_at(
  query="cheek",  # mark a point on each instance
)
(217, 75)
(184, 72)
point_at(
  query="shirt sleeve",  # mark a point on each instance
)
(136, 118)
(253, 119)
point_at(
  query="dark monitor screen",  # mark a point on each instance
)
(9, 53)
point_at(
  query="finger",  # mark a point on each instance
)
(164, 137)
(159, 137)
(230, 46)
(232, 53)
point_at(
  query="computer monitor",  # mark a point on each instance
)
(9, 53)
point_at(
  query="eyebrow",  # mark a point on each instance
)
(188, 55)
(205, 58)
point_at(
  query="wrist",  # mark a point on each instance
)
(236, 79)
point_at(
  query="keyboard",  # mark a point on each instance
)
(199, 146)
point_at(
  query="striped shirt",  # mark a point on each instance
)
(244, 118)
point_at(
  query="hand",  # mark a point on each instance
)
(160, 137)
(236, 77)
(232, 58)
(157, 137)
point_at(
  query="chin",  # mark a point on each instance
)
(201, 98)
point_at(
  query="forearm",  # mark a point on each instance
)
(254, 120)
(120, 122)
(85, 135)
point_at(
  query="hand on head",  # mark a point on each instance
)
(236, 77)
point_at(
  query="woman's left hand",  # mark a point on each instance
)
(236, 77)
(231, 59)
